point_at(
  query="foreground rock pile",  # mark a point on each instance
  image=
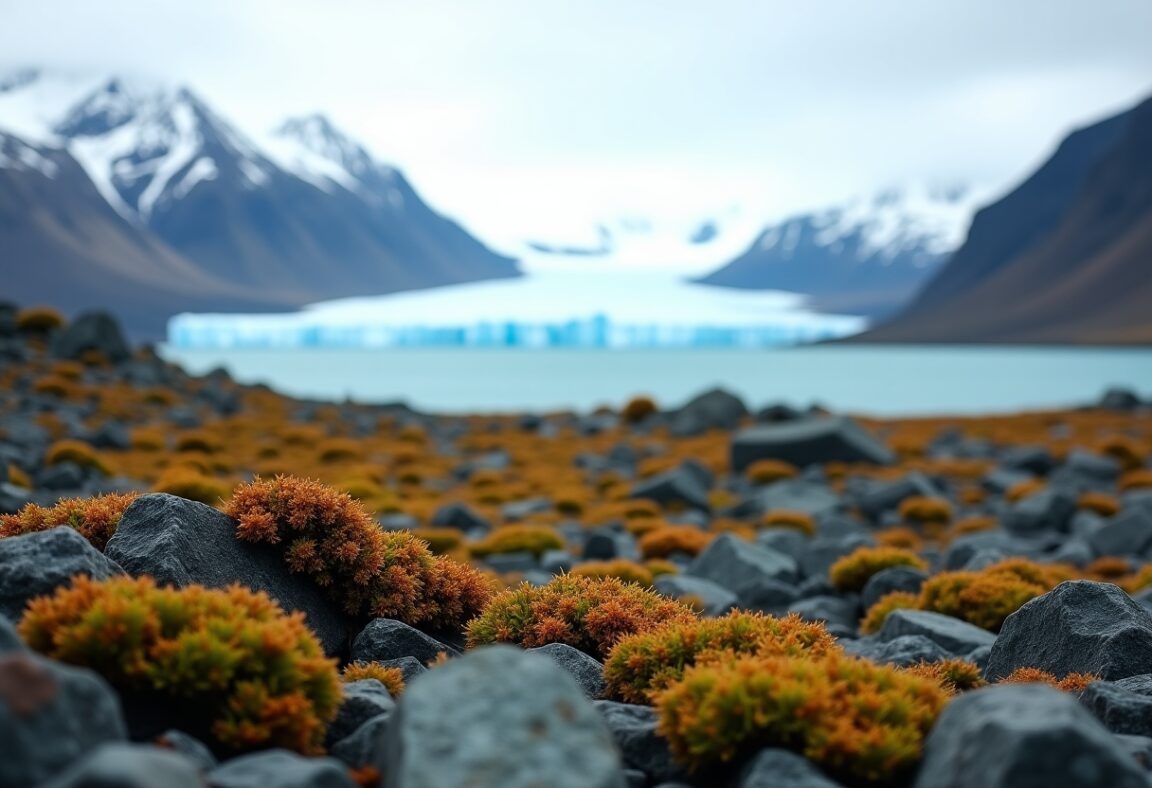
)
(692, 597)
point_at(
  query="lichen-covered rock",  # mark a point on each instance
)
(36, 564)
(180, 542)
(1077, 627)
(499, 717)
(51, 715)
(362, 701)
(1023, 736)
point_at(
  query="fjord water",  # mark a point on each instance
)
(881, 380)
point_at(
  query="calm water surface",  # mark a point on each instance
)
(880, 380)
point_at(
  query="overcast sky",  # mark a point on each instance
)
(524, 117)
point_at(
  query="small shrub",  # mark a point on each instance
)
(921, 509)
(628, 571)
(763, 472)
(670, 539)
(94, 518)
(591, 614)
(39, 319)
(535, 539)
(392, 678)
(328, 536)
(789, 518)
(233, 664)
(897, 600)
(650, 661)
(78, 452)
(859, 721)
(1073, 682)
(854, 570)
(900, 537)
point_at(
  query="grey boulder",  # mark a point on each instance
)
(1023, 736)
(36, 564)
(587, 670)
(952, 634)
(808, 442)
(776, 768)
(733, 563)
(1077, 627)
(633, 728)
(386, 638)
(1124, 706)
(280, 769)
(119, 765)
(499, 717)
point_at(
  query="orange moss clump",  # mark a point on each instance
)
(897, 600)
(1136, 480)
(638, 409)
(1073, 682)
(187, 482)
(987, 597)
(921, 509)
(667, 540)
(860, 722)
(94, 518)
(39, 319)
(954, 675)
(768, 471)
(1109, 568)
(1098, 502)
(535, 539)
(901, 537)
(650, 661)
(78, 452)
(854, 570)
(391, 678)
(330, 537)
(628, 571)
(229, 662)
(789, 518)
(591, 614)
(1022, 490)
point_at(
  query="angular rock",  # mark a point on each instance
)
(363, 700)
(952, 634)
(887, 497)
(605, 545)
(817, 499)
(733, 563)
(831, 610)
(364, 746)
(1023, 736)
(129, 766)
(1077, 627)
(1051, 509)
(458, 515)
(190, 747)
(1128, 533)
(769, 596)
(181, 542)
(715, 598)
(386, 638)
(516, 720)
(904, 650)
(808, 442)
(714, 409)
(886, 581)
(96, 331)
(788, 541)
(633, 728)
(1123, 706)
(776, 768)
(826, 550)
(587, 670)
(674, 487)
(36, 564)
(51, 715)
(9, 637)
(410, 666)
(280, 769)
(1033, 459)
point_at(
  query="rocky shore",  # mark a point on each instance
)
(205, 583)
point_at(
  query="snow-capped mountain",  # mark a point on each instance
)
(309, 216)
(866, 256)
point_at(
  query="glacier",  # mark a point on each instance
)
(549, 307)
